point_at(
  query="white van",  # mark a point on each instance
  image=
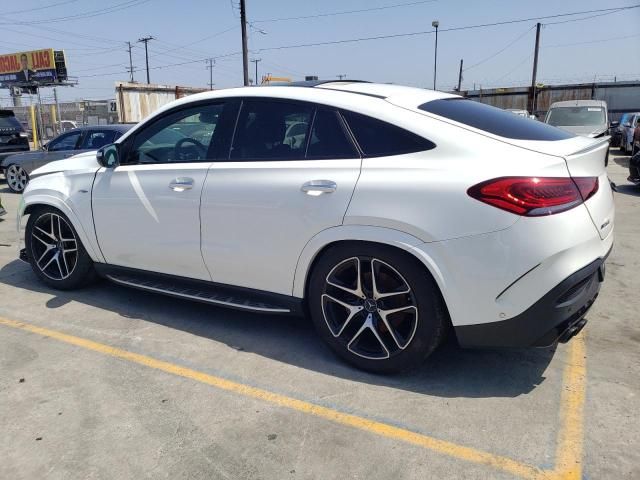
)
(587, 118)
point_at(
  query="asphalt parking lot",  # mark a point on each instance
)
(108, 383)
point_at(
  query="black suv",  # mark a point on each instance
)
(13, 138)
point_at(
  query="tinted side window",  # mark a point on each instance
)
(493, 120)
(271, 130)
(64, 142)
(378, 139)
(95, 139)
(185, 135)
(328, 137)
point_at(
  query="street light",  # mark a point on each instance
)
(435, 24)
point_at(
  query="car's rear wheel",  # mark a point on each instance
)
(376, 307)
(17, 178)
(55, 252)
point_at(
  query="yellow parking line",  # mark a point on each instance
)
(570, 433)
(570, 436)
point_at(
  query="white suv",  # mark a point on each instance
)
(388, 214)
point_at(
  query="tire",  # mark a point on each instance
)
(395, 330)
(55, 251)
(16, 177)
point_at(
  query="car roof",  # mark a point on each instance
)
(338, 93)
(580, 103)
(121, 127)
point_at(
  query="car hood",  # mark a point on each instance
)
(584, 130)
(83, 161)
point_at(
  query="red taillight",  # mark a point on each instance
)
(535, 196)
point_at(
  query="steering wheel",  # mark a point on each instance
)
(177, 154)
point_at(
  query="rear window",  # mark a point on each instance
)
(493, 120)
(380, 139)
(576, 116)
(8, 120)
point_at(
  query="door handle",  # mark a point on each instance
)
(318, 187)
(181, 184)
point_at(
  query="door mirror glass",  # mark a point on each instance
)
(108, 156)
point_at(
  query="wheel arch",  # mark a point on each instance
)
(345, 234)
(34, 202)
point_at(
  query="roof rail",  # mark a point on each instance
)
(315, 83)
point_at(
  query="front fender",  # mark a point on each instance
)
(80, 216)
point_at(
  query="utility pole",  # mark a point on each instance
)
(535, 70)
(210, 61)
(460, 76)
(341, 75)
(245, 52)
(255, 61)
(58, 113)
(130, 61)
(145, 40)
(435, 24)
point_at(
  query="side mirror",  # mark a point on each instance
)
(109, 156)
(626, 124)
(45, 147)
(614, 124)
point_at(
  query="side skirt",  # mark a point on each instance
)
(202, 291)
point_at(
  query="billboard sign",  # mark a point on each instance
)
(36, 67)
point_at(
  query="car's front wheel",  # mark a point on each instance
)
(55, 252)
(376, 307)
(17, 178)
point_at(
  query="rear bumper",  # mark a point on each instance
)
(557, 316)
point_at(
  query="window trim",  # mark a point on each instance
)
(315, 106)
(130, 141)
(347, 134)
(81, 135)
(390, 154)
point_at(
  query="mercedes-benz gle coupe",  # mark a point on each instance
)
(388, 215)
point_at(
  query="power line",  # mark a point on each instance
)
(345, 12)
(94, 13)
(427, 32)
(40, 8)
(398, 35)
(519, 37)
(602, 40)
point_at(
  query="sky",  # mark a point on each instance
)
(93, 33)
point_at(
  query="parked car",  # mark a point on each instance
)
(588, 118)
(18, 168)
(628, 125)
(401, 214)
(616, 132)
(66, 125)
(13, 137)
(521, 113)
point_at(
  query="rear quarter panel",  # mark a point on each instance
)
(425, 194)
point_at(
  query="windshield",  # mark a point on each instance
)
(9, 121)
(576, 116)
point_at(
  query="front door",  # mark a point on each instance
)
(146, 210)
(290, 174)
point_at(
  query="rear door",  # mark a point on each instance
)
(290, 174)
